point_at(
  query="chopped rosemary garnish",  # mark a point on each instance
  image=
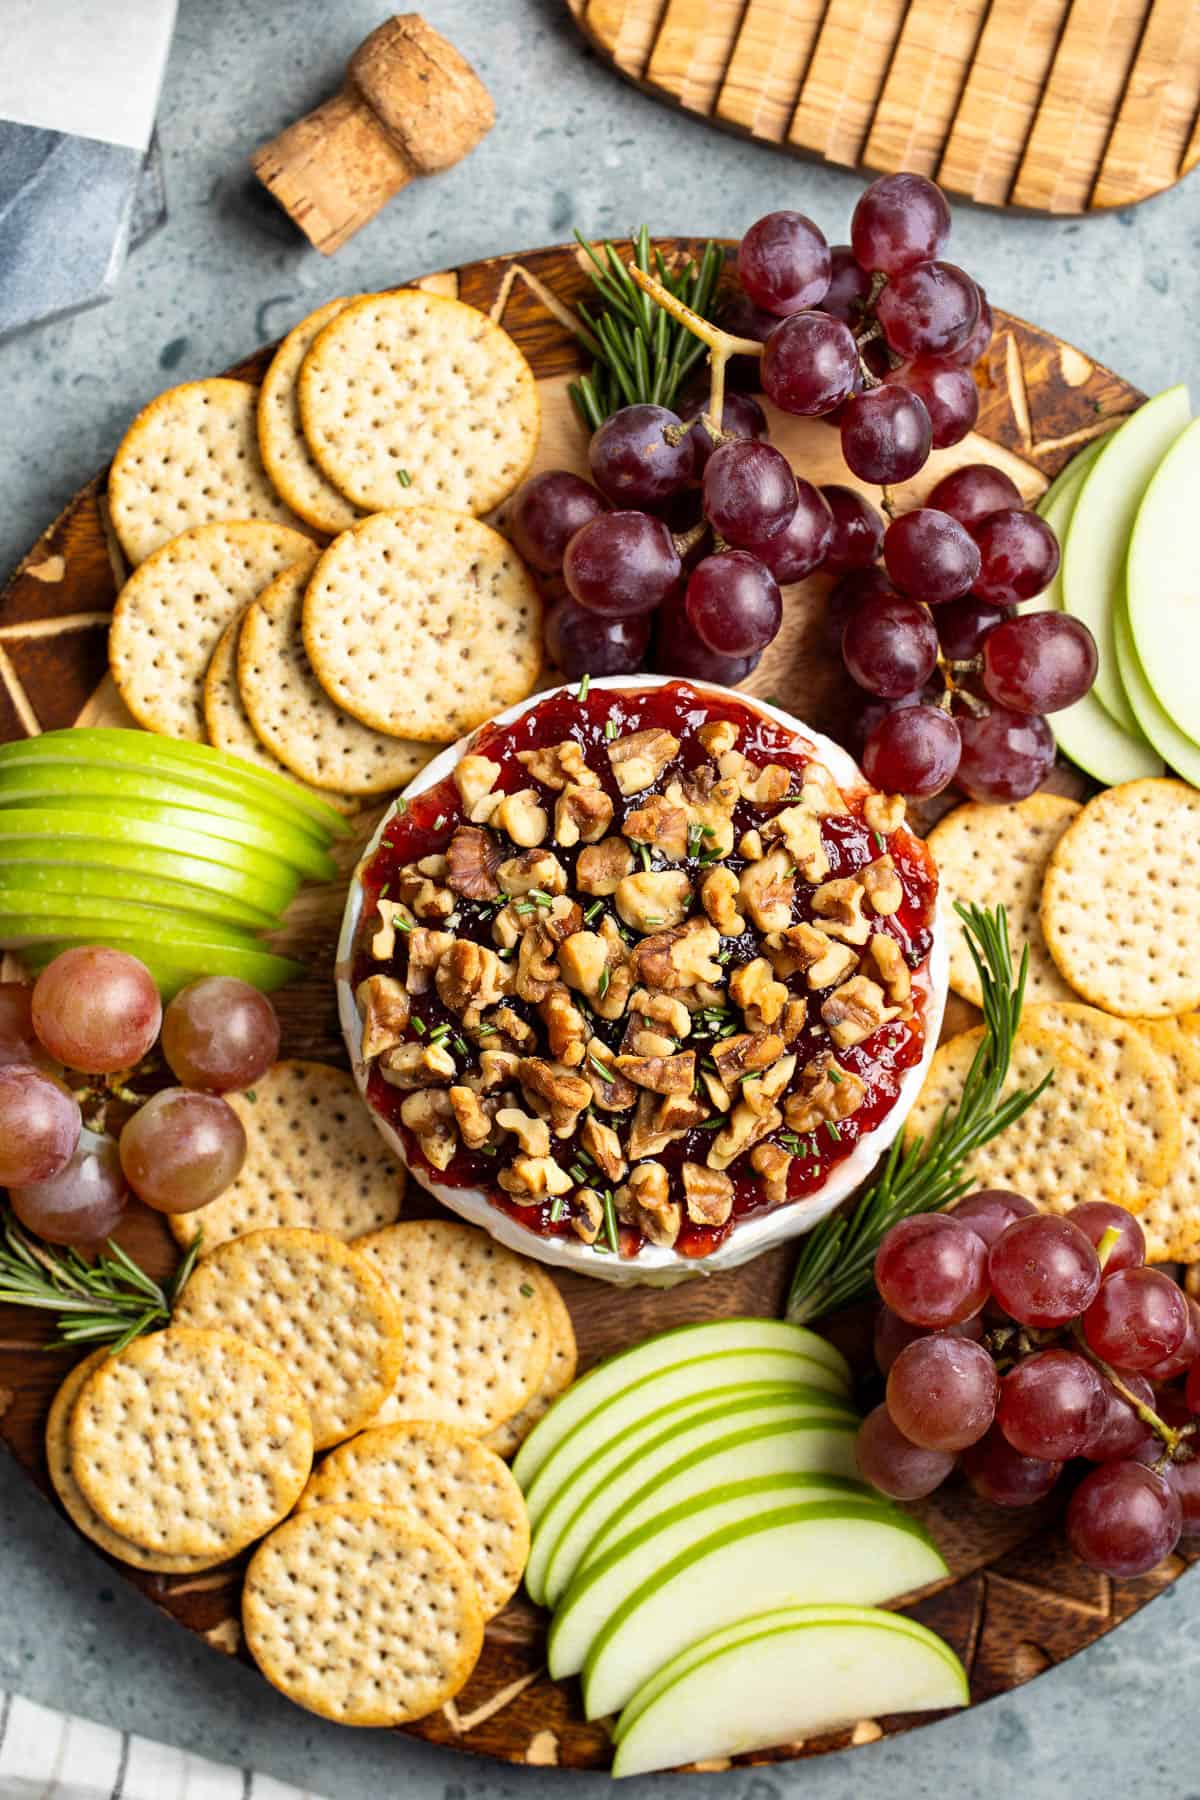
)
(403, 477)
(460, 1045)
(835, 1075)
(833, 1131)
(556, 1208)
(596, 907)
(652, 921)
(644, 853)
(439, 1034)
(581, 692)
(108, 1301)
(527, 1289)
(610, 1222)
(251, 1096)
(694, 839)
(540, 897)
(880, 839)
(835, 1266)
(419, 1026)
(711, 1124)
(605, 1073)
(610, 729)
(578, 1174)
(602, 984)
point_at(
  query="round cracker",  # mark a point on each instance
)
(1121, 901)
(83, 1516)
(448, 1481)
(477, 1335)
(507, 1438)
(364, 1617)
(171, 613)
(288, 710)
(1138, 1080)
(410, 399)
(998, 855)
(314, 1161)
(190, 458)
(309, 1299)
(190, 1443)
(288, 461)
(1068, 1147)
(423, 623)
(1170, 1220)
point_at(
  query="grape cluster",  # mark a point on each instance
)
(1015, 1342)
(68, 1045)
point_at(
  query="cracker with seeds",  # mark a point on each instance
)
(363, 1616)
(191, 458)
(171, 613)
(287, 710)
(314, 1160)
(1070, 1144)
(1137, 1079)
(506, 1439)
(190, 1443)
(1121, 901)
(81, 1515)
(312, 1301)
(448, 1481)
(1171, 1217)
(423, 623)
(287, 459)
(411, 399)
(477, 1334)
(998, 854)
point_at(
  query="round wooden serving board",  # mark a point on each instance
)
(1016, 1602)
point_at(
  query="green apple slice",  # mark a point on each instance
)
(1097, 542)
(600, 1484)
(26, 917)
(60, 831)
(669, 1348)
(1072, 472)
(1163, 584)
(791, 1675)
(191, 765)
(1179, 751)
(185, 961)
(50, 881)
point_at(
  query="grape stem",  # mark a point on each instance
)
(1177, 1447)
(721, 344)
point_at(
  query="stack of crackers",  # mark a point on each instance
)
(1106, 899)
(388, 424)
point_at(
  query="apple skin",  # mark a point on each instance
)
(32, 918)
(1162, 583)
(40, 882)
(174, 967)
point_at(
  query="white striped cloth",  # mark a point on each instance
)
(47, 1755)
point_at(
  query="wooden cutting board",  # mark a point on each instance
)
(1057, 105)
(1016, 1602)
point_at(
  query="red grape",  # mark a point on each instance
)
(929, 309)
(892, 1464)
(1051, 1405)
(800, 547)
(732, 603)
(1123, 1519)
(1018, 556)
(1003, 1475)
(219, 1033)
(622, 563)
(633, 462)
(1185, 1354)
(932, 1270)
(1039, 663)
(182, 1149)
(1183, 1478)
(899, 220)
(950, 396)
(546, 512)
(784, 263)
(741, 416)
(886, 435)
(749, 492)
(849, 286)
(847, 595)
(970, 351)
(18, 1040)
(963, 624)
(1043, 1271)
(972, 493)
(942, 1392)
(39, 1125)
(678, 651)
(1119, 1431)
(857, 535)
(890, 645)
(991, 1211)
(741, 318)
(810, 364)
(1005, 755)
(582, 642)
(1138, 1317)
(914, 750)
(97, 1010)
(1095, 1217)
(84, 1203)
(870, 712)
(893, 1334)
(930, 556)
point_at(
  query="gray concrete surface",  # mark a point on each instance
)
(573, 145)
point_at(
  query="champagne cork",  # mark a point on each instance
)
(410, 105)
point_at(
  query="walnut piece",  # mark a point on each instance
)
(429, 1115)
(472, 858)
(819, 792)
(645, 1201)
(884, 892)
(680, 958)
(604, 1147)
(805, 948)
(497, 1068)
(767, 889)
(754, 988)
(610, 1090)
(662, 1010)
(734, 1056)
(718, 736)
(417, 1065)
(773, 1164)
(532, 869)
(661, 1074)
(559, 765)
(474, 1124)
(505, 1023)
(888, 959)
(470, 975)
(566, 1027)
(761, 786)
(601, 867)
(826, 1092)
(709, 803)
(660, 823)
(523, 818)
(587, 1221)
(532, 1134)
(800, 830)
(745, 1128)
(856, 1009)
(581, 815)
(840, 905)
(718, 897)
(761, 1091)
(425, 951)
(654, 900)
(532, 1179)
(475, 777)
(564, 1092)
(640, 758)
(750, 845)
(791, 1022)
(393, 915)
(383, 1003)
(596, 965)
(537, 964)
(421, 886)
(884, 812)
(658, 1121)
(709, 1194)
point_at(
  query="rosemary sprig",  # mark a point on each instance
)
(641, 354)
(834, 1267)
(109, 1301)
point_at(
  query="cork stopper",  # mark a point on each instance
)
(410, 105)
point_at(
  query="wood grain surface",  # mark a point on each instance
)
(1016, 1602)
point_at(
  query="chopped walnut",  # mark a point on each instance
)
(826, 1093)
(884, 812)
(840, 904)
(640, 1040)
(473, 857)
(470, 975)
(422, 887)
(719, 736)
(800, 830)
(587, 1221)
(523, 818)
(604, 1147)
(475, 777)
(884, 892)
(888, 959)
(383, 1003)
(750, 845)
(747, 1051)
(507, 1028)
(532, 1134)
(773, 1164)
(661, 1074)
(654, 900)
(761, 786)
(716, 1090)
(601, 867)
(425, 951)
(532, 869)
(559, 765)
(565, 1092)
(856, 1009)
(678, 1114)
(610, 1090)
(496, 1069)
(645, 1201)
(791, 1021)
(718, 897)
(657, 1121)
(581, 815)
(639, 759)
(661, 1010)
(678, 959)
(709, 1194)
(709, 803)
(429, 1115)
(761, 1092)
(383, 943)
(566, 1027)
(805, 948)
(754, 988)
(767, 889)
(595, 964)
(508, 926)
(661, 824)
(531, 1179)
(820, 792)
(745, 1127)
(545, 933)
(417, 1066)
(474, 1124)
